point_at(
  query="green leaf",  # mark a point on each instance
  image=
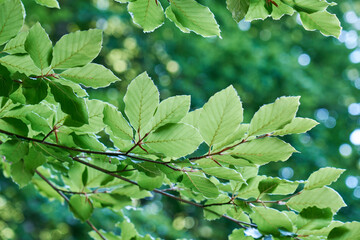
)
(233, 138)
(87, 141)
(91, 75)
(8, 86)
(277, 186)
(76, 49)
(224, 173)
(14, 150)
(48, 3)
(171, 16)
(96, 124)
(220, 116)
(281, 10)
(251, 188)
(171, 110)
(20, 174)
(150, 183)
(264, 150)
(314, 218)
(322, 177)
(81, 207)
(199, 183)
(310, 6)
(238, 8)
(269, 220)
(319, 197)
(132, 191)
(274, 116)
(297, 125)
(148, 14)
(17, 44)
(114, 201)
(174, 140)
(14, 125)
(220, 209)
(69, 102)
(348, 231)
(257, 10)
(23, 64)
(12, 16)
(117, 123)
(193, 16)
(141, 100)
(238, 234)
(34, 159)
(192, 118)
(38, 123)
(39, 46)
(34, 90)
(328, 24)
(128, 230)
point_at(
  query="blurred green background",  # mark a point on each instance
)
(263, 60)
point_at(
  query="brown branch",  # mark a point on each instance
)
(68, 201)
(240, 223)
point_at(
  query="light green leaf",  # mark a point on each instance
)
(88, 141)
(38, 123)
(17, 44)
(348, 231)
(174, 140)
(69, 102)
(132, 191)
(20, 174)
(96, 124)
(234, 138)
(238, 234)
(297, 125)
(322, 177)
(264, 150)
(128, 230)
(81, 207)
(274, 116)
(319, 197)
(23, 64)
(309, 6)
(220, 116)
(171, 110)
(91, 75)
(257, 10)
(224, 173)
(141, 100)
(148, 14)
(328, 24)
(194, 17)
(171, 16)
(238, 8)
(269, 220)
(48, 3)
(199, 183)
(12, 16)
(251, 188)
(39, 46)
(220, 209)
(150, 183)
(192, 118)
(281, 10)
(76, 49)
(313, 218)
(117, 123)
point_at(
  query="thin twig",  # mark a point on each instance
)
(68, 201)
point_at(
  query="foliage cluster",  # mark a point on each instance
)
(89, 154)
